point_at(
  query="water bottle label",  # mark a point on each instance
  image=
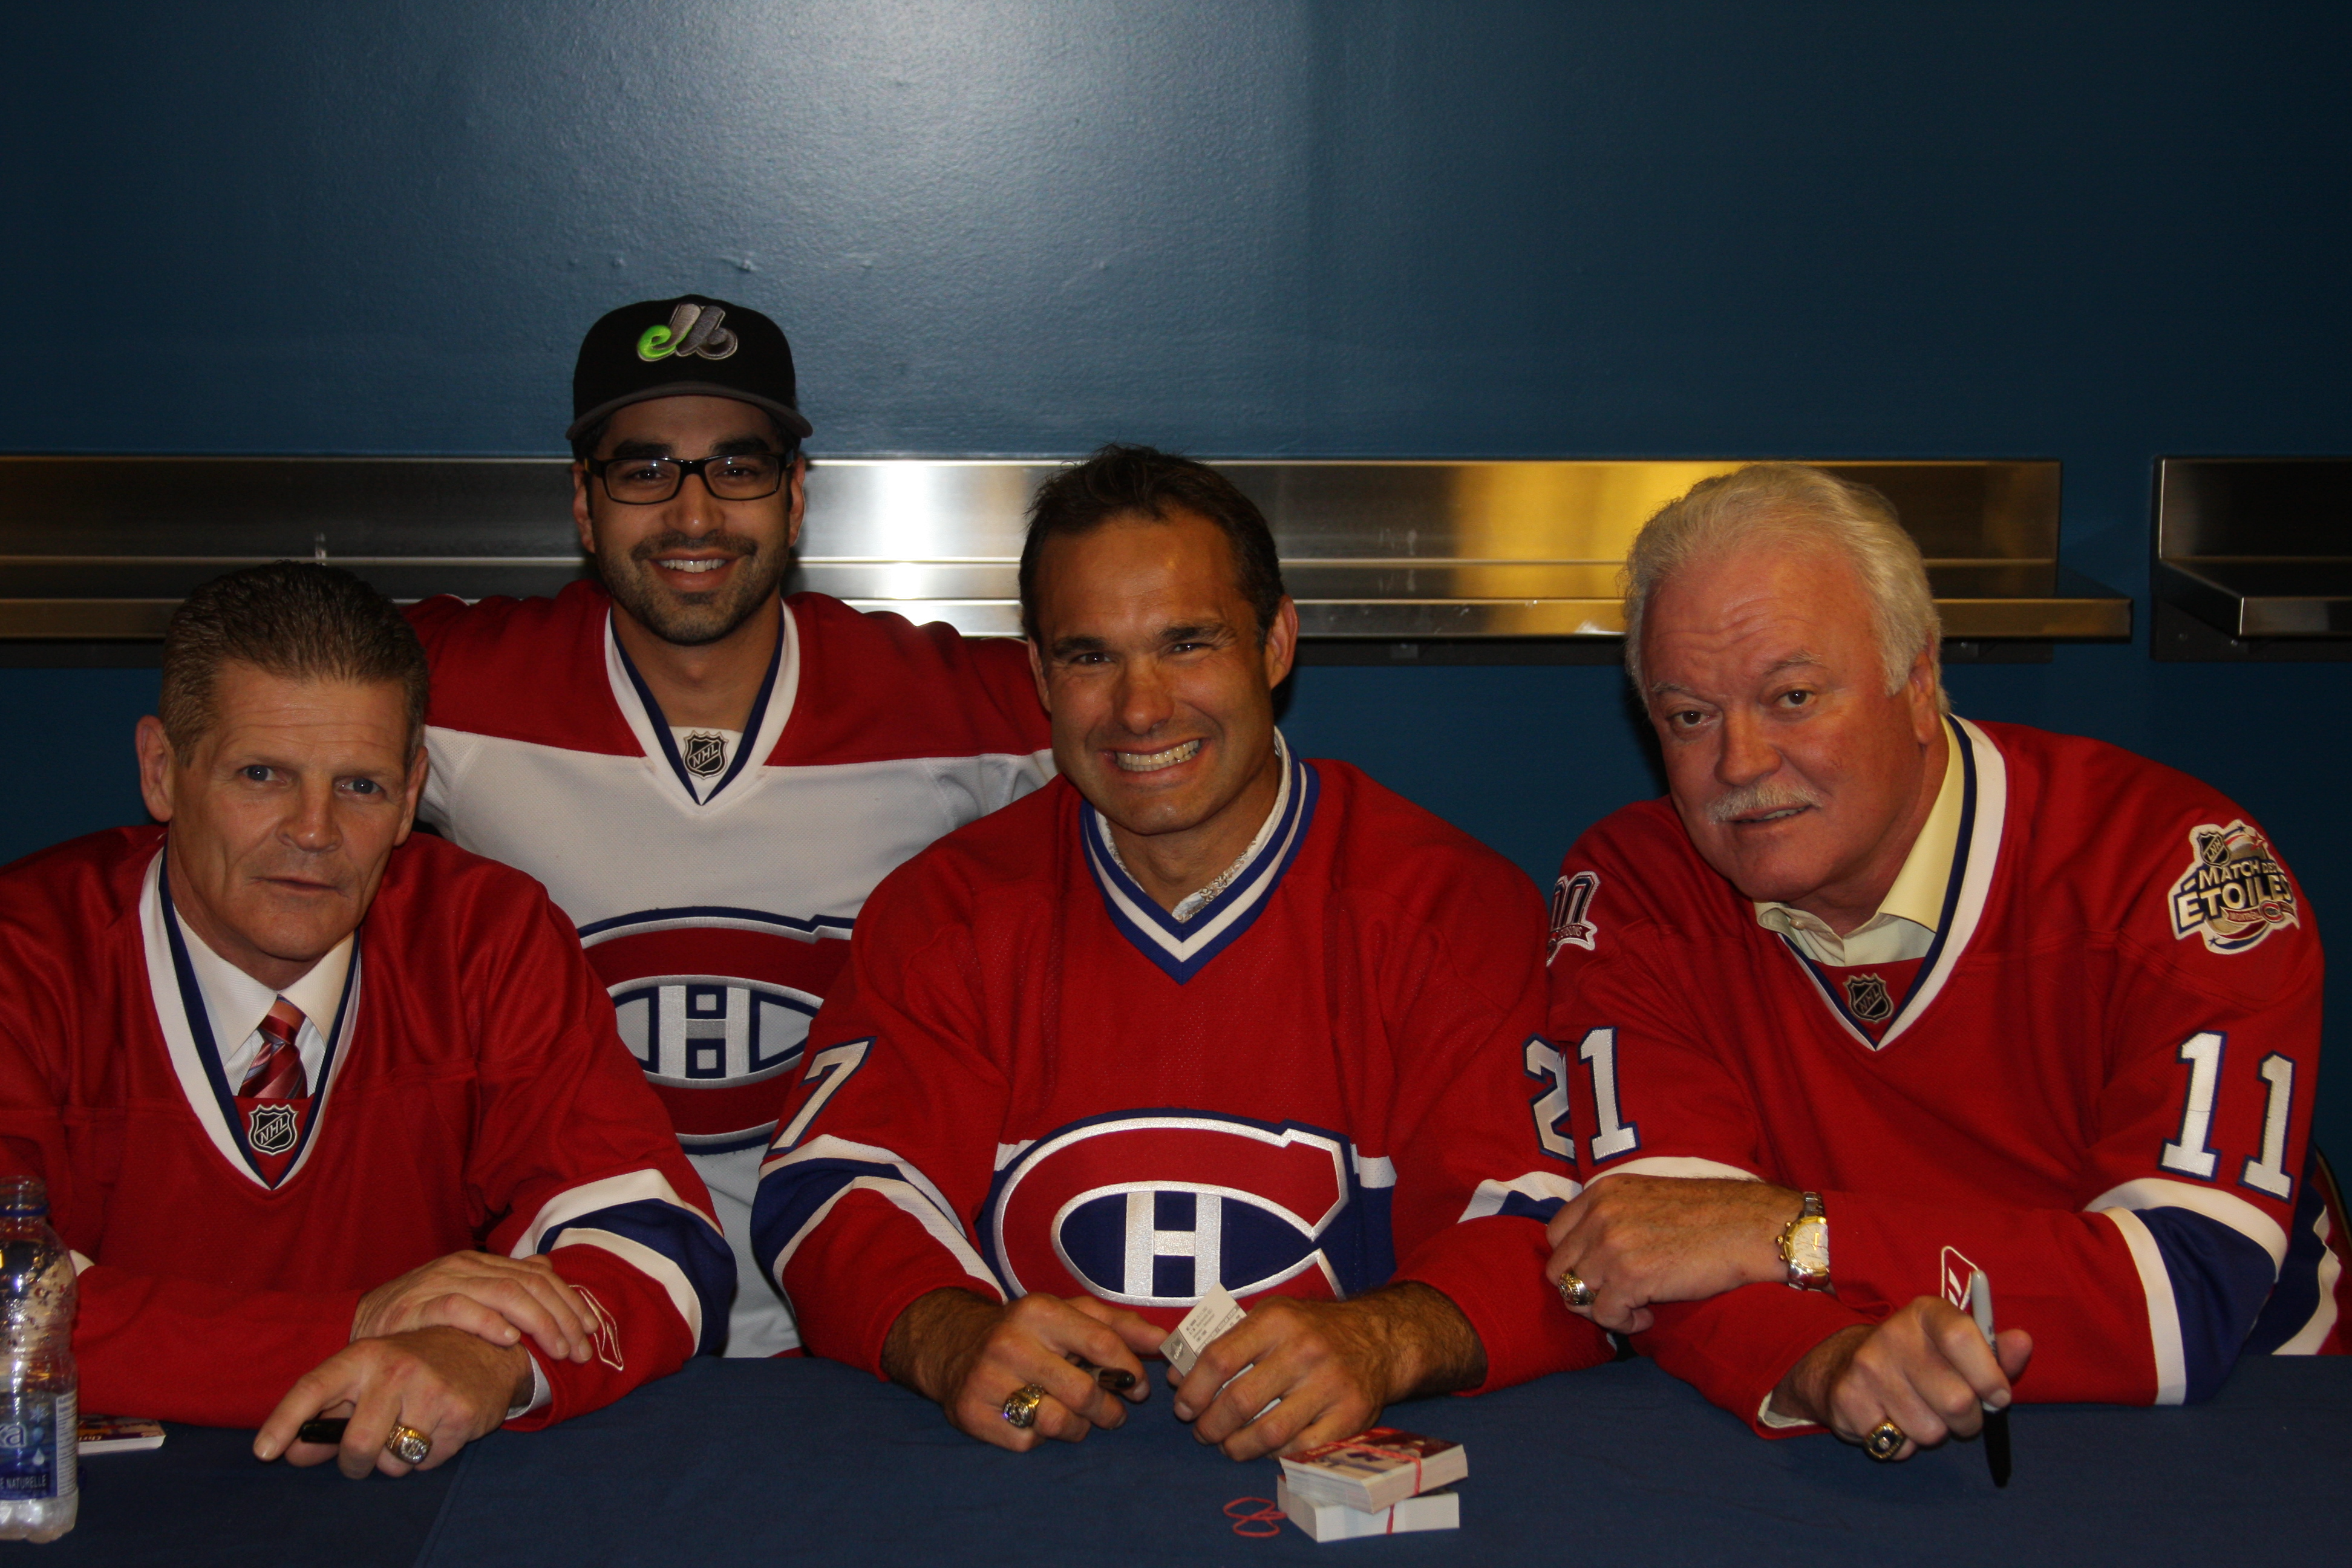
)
(37, 1445)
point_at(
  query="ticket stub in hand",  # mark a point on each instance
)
(1440, 1510)
(1375, 1470)
(1217, 1312)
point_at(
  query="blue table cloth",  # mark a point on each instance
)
(802, 1461)
(785, 1462)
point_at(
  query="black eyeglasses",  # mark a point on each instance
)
(730, 476)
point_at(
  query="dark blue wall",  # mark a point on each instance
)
(2092, 233)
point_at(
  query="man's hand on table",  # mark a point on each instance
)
(970, 1355)
(445, 1383)
(497, 1298)
(1639, 1239)
(1926, 1369)
(1332, 1365)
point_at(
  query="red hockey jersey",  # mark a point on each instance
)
(715, 884)
(473, 1096)
(2095, 1086)
(1033, 1078)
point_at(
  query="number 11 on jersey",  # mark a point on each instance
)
(2191, 1153)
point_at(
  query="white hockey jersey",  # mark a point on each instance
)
(715, 880)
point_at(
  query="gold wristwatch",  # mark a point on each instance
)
(1805, 1246)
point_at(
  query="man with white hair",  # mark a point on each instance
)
(1880, 999)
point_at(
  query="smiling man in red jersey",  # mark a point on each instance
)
(1880, 999)
(708, 776)
(334, 1118)
(1200, 1014)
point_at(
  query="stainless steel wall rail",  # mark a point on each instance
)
(102, 548)
(2257, 547)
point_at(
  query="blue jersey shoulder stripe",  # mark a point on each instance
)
(2220, 1279)
(679, 1235)
(2295, 1301)
(792, 1193)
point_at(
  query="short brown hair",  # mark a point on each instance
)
(295, 620)
(1142, 481)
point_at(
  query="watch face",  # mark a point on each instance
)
(1809, 1247)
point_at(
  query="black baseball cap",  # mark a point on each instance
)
(687, 347)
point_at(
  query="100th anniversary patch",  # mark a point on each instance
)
(1571, 901)
(2234, 892)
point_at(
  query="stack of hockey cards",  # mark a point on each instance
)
(1439, 1509)
(119, 1435)
(1379, 1482)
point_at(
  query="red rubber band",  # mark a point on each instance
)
(1265, 1514)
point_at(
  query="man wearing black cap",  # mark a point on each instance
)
(710, 777)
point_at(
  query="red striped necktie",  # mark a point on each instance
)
(276, 1073)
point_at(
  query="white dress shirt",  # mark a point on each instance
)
(235, 1003)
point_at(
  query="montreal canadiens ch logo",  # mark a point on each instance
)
(715, 1008)
(1154, 1210)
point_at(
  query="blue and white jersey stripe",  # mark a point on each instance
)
(638, 1217)
(2206, 1263)
(1183, 948)
(798, 1192)
(2301, 1309)
(1537, 1194)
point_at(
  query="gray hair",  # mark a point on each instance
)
(1789, 504)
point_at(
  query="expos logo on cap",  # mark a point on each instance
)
(691, 330)
(1152, 1209)
(691, 346)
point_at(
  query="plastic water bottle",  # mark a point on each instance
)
(40, 1425)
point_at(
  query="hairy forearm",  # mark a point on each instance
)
(1416, 1337)
(525, 1384)
(1804, 1394)
(932, 1344)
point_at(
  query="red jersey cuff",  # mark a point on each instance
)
(1737, 1347)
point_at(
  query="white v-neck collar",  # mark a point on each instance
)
(1976, 855)
(769, 715)
(183, 1010)
(235, 1003)
(1181, 948)
(1193, 902)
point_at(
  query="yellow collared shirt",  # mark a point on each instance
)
(1905, 925)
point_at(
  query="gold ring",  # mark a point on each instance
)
(1886, 1440)
(1573, 1290)
(1021, 1405)
(409, 1446)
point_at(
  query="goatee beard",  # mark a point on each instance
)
(700, 619)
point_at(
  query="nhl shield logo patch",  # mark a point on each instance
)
(270, 1129)
(2234, 892)
(1867, 994)
(705, 753)
(1572, 900)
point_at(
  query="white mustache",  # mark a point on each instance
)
(1752, 800)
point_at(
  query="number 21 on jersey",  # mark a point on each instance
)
(1545, 1063)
